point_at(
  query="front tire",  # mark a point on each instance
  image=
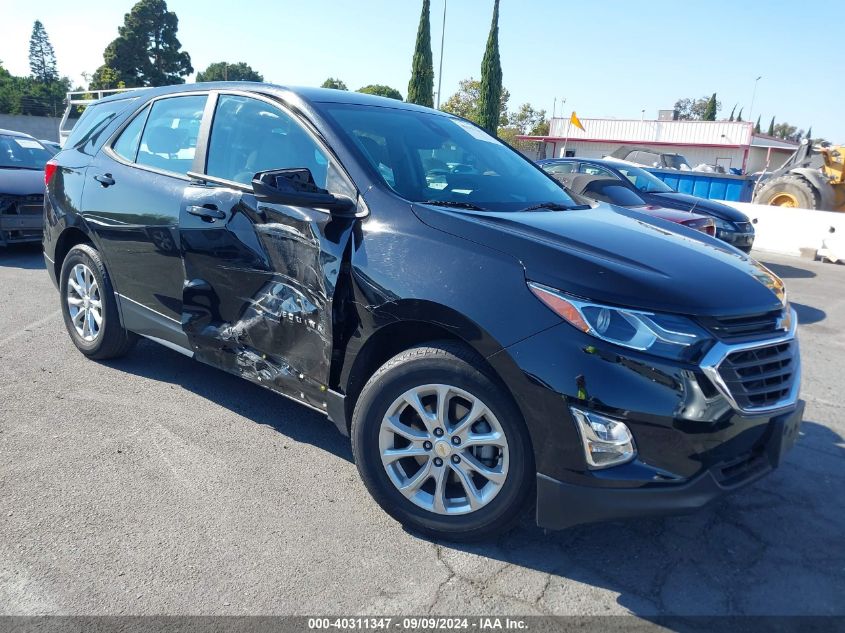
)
(89, 307)
(441, 446)
(789, 190)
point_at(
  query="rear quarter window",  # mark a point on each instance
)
(90, 132)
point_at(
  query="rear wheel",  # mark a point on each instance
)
(789, 190)
(89, 307)
(440, 445)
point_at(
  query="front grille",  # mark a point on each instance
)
(731, 328)
(760, 377)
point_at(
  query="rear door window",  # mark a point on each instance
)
(169, 139)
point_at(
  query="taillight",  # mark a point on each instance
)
(50, 169)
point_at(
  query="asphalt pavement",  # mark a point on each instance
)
(156, 485)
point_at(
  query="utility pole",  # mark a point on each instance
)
(442, 39)
(753, 95)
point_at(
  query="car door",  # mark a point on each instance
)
(261, 279)
(134, 190)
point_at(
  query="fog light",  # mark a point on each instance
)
(607, 442)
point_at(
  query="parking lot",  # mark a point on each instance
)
(156, 485)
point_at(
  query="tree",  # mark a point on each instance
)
(757, 127)
(42, 58)
(421, 85)
(382, 91)
(694, 109)
(771, 131)
(526, 121)
(335, 84)
(224, 71)
(465, 101)
(731, 118)
(809, 135)
(529, 121)
(489, 102)
(710, 109)
(146, 51)
(739, 116)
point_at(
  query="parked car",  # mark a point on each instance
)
(22, 160)
(611, 190)
(732, 226)
(486, 340)
(650, 157)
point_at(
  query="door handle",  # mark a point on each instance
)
(209, 213)
(104, 179)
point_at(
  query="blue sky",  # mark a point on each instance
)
(610, 58)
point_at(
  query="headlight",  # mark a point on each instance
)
(666, 335)
(606, 442)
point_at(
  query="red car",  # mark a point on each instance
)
(610, 190)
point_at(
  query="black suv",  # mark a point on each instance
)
(486, 340)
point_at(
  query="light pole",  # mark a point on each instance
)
(442, 39)
(753, 95)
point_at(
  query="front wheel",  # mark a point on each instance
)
(89, 306)
(441, 446)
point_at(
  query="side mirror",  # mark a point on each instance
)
(296, 187)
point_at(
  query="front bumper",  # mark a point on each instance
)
(562, 505)
(742, 241)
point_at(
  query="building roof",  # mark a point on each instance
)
(653, 132)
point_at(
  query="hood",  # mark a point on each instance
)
(673, 215)
(685, 202)
(616, 256)
(21, 182)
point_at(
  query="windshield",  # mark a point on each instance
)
(676, 161)
(442, 159)
(22, 153)
(644, 181)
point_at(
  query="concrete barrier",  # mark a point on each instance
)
(788, 231)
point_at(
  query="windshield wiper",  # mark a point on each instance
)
(556, 206)
(458, 204)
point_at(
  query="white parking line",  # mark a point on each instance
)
(32, 327)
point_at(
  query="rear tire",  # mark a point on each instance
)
(89, 307)
(485, 475)
(789, 190)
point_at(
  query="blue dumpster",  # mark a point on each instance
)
(708, 185)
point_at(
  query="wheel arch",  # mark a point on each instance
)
(68, 238)
(411, 323)
(818, 181)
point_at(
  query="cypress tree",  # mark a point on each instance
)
(771, 131)
(809, 135)
(732, 113)
(710, 109)
(42, 58)
(757, 127)
(421, 86)
(739, 116)
(489, 103)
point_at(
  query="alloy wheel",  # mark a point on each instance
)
(84, 302)
(443, 449)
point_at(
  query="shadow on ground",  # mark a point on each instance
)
(25, 256)
(260, 405)
(808, 314)
(771, 549)
(785, 271)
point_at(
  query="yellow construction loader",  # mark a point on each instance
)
(812, 178)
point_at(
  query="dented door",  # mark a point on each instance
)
(260, 286)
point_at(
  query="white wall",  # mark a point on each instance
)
(784, 230)
(695, 155)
